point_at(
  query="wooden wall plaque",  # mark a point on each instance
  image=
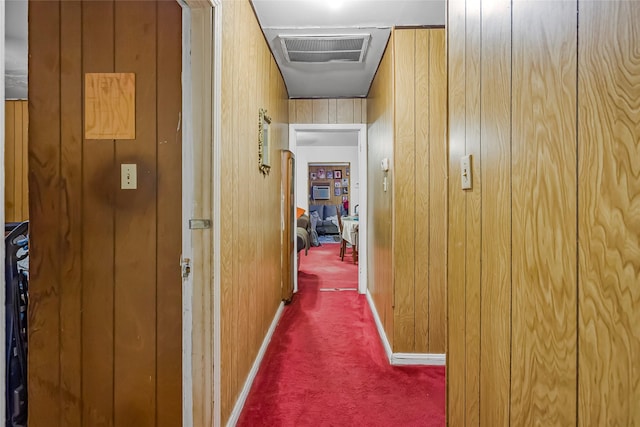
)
(110, 106)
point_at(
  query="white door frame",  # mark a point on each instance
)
(201, 151)
(363, 208)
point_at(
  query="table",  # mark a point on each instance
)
(350, 234)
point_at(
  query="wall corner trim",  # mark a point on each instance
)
(383, 335)
(242, 398)
(403, 359)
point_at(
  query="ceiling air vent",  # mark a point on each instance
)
(323, 49)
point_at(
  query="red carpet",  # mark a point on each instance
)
(325, 365)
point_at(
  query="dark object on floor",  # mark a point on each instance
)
(16, 303)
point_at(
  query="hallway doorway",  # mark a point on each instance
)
(331, 139)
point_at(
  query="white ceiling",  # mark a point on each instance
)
(334, 17)
(281, 17)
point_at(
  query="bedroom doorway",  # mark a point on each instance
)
(329, 144)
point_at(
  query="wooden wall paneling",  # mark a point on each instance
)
(169, 218)
(609, 213)
(18, 148)
(44, 155)
(25, 159)
(544, 225)
(379, 133)
(71, 213)
(357, 110)
(364, 112)
(403, 171)
(135, 226)
(292, 110)
(99, 181)
(320, 111)
(344, 111)
(437, 191)
(304, 111)
(9, 161)
(495, 355)
(456, 250)
(423, 165)
(473, 212)
(333, 111)
(228, 179)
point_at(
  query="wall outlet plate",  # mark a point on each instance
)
(465, 172)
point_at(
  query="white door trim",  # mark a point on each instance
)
(363, 208)
(201, 88)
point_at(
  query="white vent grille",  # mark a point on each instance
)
(323, 49)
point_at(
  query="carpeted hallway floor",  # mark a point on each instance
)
(325, 365)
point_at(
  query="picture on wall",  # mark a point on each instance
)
(337, 184)
(345, 199)
(337, 174)
(336, 191)
(345, 190)
(320, 173)
(313, 176)
(329, 174)
(345, 182)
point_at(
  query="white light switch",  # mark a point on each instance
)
(128, 176)
(465, 171)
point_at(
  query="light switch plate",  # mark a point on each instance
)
(128, 176)
(465, 172)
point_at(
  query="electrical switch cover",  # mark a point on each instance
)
(465, 171)
(129, 176)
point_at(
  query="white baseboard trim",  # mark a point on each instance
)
(237, 409)
(383, 335)
(428, 359)
(403, 359)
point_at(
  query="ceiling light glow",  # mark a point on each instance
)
(334, 4)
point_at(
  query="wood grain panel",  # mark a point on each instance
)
(495, 355)
(71, 214)
(333, 111)
(403, 170)
(304, 110)
(226, 234)
(136, 222)
(98, 177)
(456, 253)
(609, 213)
(320, 111)
(379, 133)
(437, 190)
(473, 263)
(357, 110)
(16, 160)
(110, 111)
(169, 196)
(344, 111)
(422, 154)
(9, 161)
(249, 83)
(544, 267)
(44, 255)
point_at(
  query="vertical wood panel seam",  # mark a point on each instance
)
(155, 409)
(58, 188)
(415, 192)
(479, 169)
(81, 272)
(466, 216)
(430, 165)
(577, 213)
(510, 213)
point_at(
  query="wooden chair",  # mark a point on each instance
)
(343, 243)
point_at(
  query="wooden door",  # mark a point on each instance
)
(289, 229)
(105, 324)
